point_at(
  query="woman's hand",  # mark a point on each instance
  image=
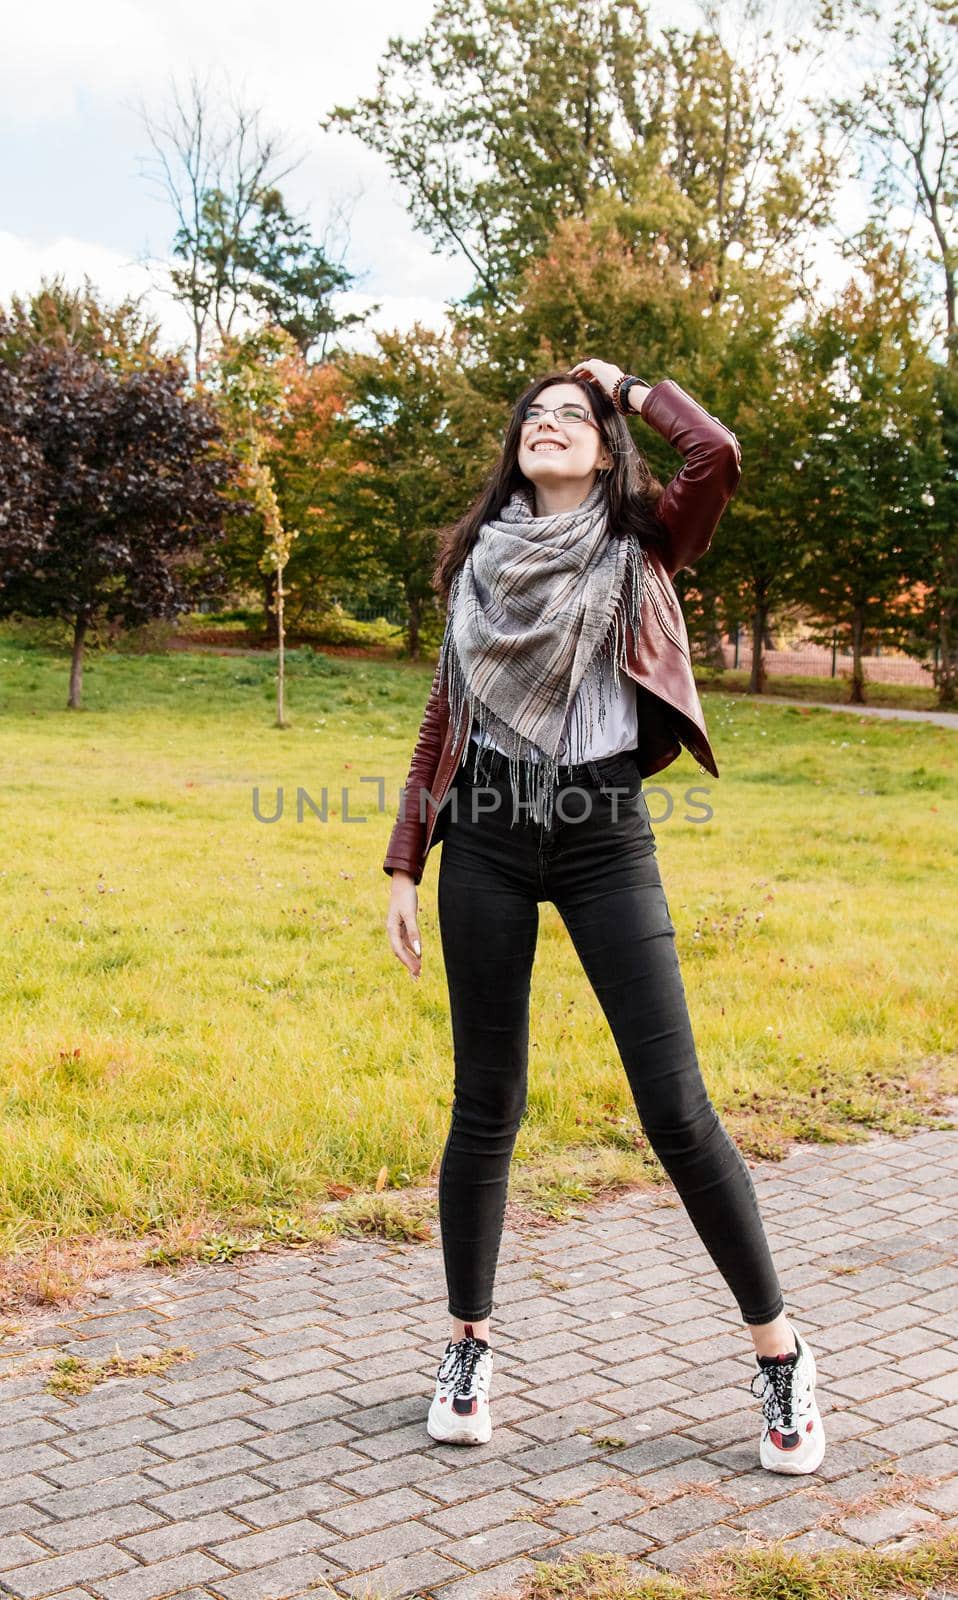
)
(604, 373)
(401, 923)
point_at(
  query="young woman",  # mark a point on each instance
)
(564, 679)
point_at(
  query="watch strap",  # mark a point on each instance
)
(620, 392)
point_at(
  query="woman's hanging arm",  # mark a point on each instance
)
(407, 840)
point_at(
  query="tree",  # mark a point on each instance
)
(507, 116)
(300, 453)
(130, 483)
(757, 169)
(591, 289)
(278, 541)
(761, 550)
(277, 411)
(24, 509)
(239, 251)
(119, 335)
(289, 281)
(407, 452)
(902, 115)
(932, 608)
(866, 471)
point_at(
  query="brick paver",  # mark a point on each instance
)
(290, 1456)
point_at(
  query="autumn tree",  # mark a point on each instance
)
(409, 448)
(865, 471)
(278, 540)
(594, 289)
(506, 116)
(127, 481)
(899, 108)
(281, 408)
(25, 511)
(758, 385)
(120, 335)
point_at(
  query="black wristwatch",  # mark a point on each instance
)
(623, 395)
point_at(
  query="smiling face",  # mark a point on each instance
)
(553, 453)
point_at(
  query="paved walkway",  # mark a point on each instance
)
(944, 719)
(291, 1456)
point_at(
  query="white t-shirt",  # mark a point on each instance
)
(620, 732)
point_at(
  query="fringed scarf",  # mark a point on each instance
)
(537, 611)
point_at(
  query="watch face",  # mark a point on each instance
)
(625, 393)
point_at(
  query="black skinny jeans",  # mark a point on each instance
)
(600, 870)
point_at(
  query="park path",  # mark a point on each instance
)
(290, 1456)
(944, 719)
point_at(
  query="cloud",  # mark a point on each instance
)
(59, 57)
(24, 264)
(74, 144)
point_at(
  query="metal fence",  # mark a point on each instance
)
(823, 661)
(804, 660)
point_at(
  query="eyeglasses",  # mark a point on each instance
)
(564, 413)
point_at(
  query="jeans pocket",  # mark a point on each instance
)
(624, 774)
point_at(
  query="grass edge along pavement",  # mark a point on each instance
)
(764, 1572)
(769, 1573)
(64, 1272)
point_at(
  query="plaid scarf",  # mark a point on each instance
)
(537, 612)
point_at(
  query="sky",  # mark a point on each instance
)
(74, 198)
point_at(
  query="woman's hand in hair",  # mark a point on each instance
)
(604, 373)
(402, 924)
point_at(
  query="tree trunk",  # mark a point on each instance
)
(76, 664)
(281, 658)
(857, 697)
(714, 653)
(415, 626)
(269, 606)
(756, 682)
(947, 645)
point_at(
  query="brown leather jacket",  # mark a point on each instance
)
(658, 659)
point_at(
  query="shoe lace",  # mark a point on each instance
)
(459, 1364)
(777, 1394)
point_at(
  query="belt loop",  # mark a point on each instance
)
(594, 774)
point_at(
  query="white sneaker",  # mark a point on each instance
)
(460, 1413)
(793, 1438)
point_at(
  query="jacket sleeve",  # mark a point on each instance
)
(693, 501)
(406, 848)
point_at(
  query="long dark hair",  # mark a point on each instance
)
(631, 491)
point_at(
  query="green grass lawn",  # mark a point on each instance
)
(203, 1023)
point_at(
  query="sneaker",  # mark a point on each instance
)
(793, 1438)
(460, 1413)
